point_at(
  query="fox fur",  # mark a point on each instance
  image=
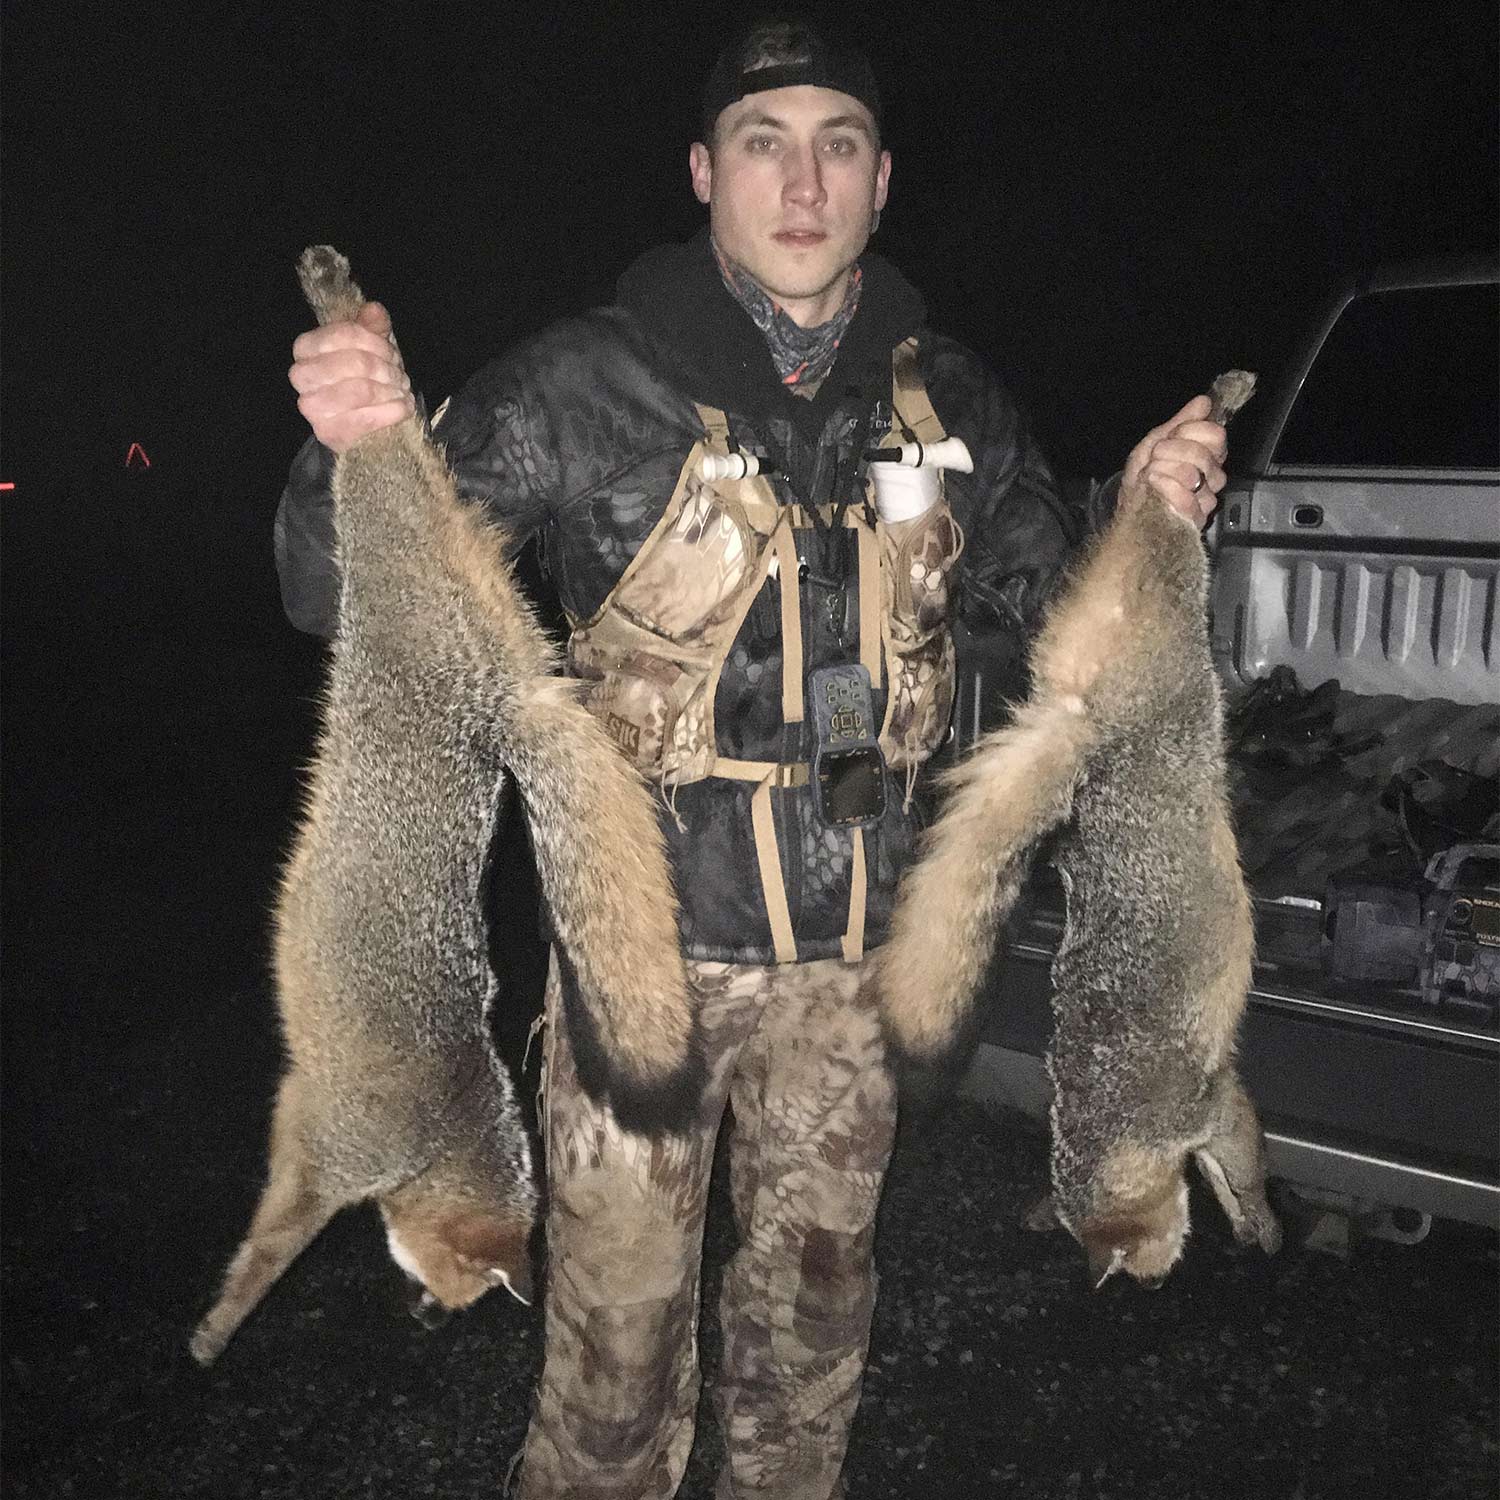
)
(1119, 746)
(441, 692)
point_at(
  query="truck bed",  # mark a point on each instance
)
(1354, 619)
(1357, 1084)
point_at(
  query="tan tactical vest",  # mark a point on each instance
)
(653, 652)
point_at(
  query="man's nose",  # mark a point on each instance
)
(804, 178)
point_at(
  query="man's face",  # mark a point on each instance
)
(792, 184)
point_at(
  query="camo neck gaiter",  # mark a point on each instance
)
(802, 356)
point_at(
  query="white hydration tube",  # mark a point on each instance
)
(908, 479)
(729, 466)
(951, 453)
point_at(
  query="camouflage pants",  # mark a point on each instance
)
(797, 1053)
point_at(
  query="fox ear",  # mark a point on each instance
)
(1102, 1266)
(427, 1310)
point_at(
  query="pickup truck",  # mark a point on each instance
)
(1355, 623)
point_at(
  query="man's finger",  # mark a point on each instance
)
(382, 414)
(315, 374)
(1202, 480)
(331, 338)
(1187, 455)
(1209, 435)
(348, 396)
(1189, 481)
(1196, 508)
(341, 430)
(374, 317)
(1195, 411)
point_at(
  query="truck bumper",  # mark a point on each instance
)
(1399, 1110)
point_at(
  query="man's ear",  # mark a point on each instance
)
(882, 180)
(701, 168)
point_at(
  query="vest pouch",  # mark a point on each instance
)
(919, 556)
(639, 700)
(693, 569)
(921, 702)
(653, 652)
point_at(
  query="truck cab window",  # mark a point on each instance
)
(1393, 385)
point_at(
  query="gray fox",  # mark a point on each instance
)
(440, 694)
(1120, 747)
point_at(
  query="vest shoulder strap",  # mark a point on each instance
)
(715, 428)
(913, 409)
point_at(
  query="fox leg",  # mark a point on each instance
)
(291, 1212)
(1041, 1216)
(1233, 1161)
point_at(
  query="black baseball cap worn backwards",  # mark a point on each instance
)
(783, 54)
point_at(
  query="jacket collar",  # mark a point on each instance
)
(678, 297)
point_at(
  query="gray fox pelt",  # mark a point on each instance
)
(440, 692)
(1120, 746)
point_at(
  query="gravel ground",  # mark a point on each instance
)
(145, 813)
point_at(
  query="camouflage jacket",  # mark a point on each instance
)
(576, 438)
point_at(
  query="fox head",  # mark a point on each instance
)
(1134, 1214)
(1141, 1233)
(455, 1257)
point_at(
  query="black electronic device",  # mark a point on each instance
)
(848, 769)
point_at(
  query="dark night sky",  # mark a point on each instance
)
(1110, 202)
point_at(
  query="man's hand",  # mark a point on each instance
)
(1183, 461)
(349, 378)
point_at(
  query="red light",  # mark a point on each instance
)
(137, 454)
(7, 484)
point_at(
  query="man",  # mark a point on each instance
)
(714, 620)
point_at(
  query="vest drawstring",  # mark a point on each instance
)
(668, 795)
(911, 783)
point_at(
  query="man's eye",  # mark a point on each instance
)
(841, 145)
(762, 143)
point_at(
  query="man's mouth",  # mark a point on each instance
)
(800, 239)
